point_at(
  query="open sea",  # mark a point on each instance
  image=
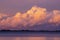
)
(29, 35)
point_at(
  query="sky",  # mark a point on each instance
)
(30, 14)
(13, 6)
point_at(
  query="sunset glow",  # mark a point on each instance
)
(34, 16)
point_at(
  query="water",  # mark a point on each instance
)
(30, 36)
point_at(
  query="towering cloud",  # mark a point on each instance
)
(34, 16)
(37, 15)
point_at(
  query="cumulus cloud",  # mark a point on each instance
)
(34, 16)
(55, 17)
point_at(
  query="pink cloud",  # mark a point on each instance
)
(34, 16)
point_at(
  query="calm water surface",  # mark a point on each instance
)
(29, 36)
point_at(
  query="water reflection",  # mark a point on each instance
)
(29, 38)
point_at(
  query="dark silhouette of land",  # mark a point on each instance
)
(28, 31)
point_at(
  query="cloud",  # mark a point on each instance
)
(56, 17)
(34, 16)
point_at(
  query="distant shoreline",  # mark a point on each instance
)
(29, 31)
